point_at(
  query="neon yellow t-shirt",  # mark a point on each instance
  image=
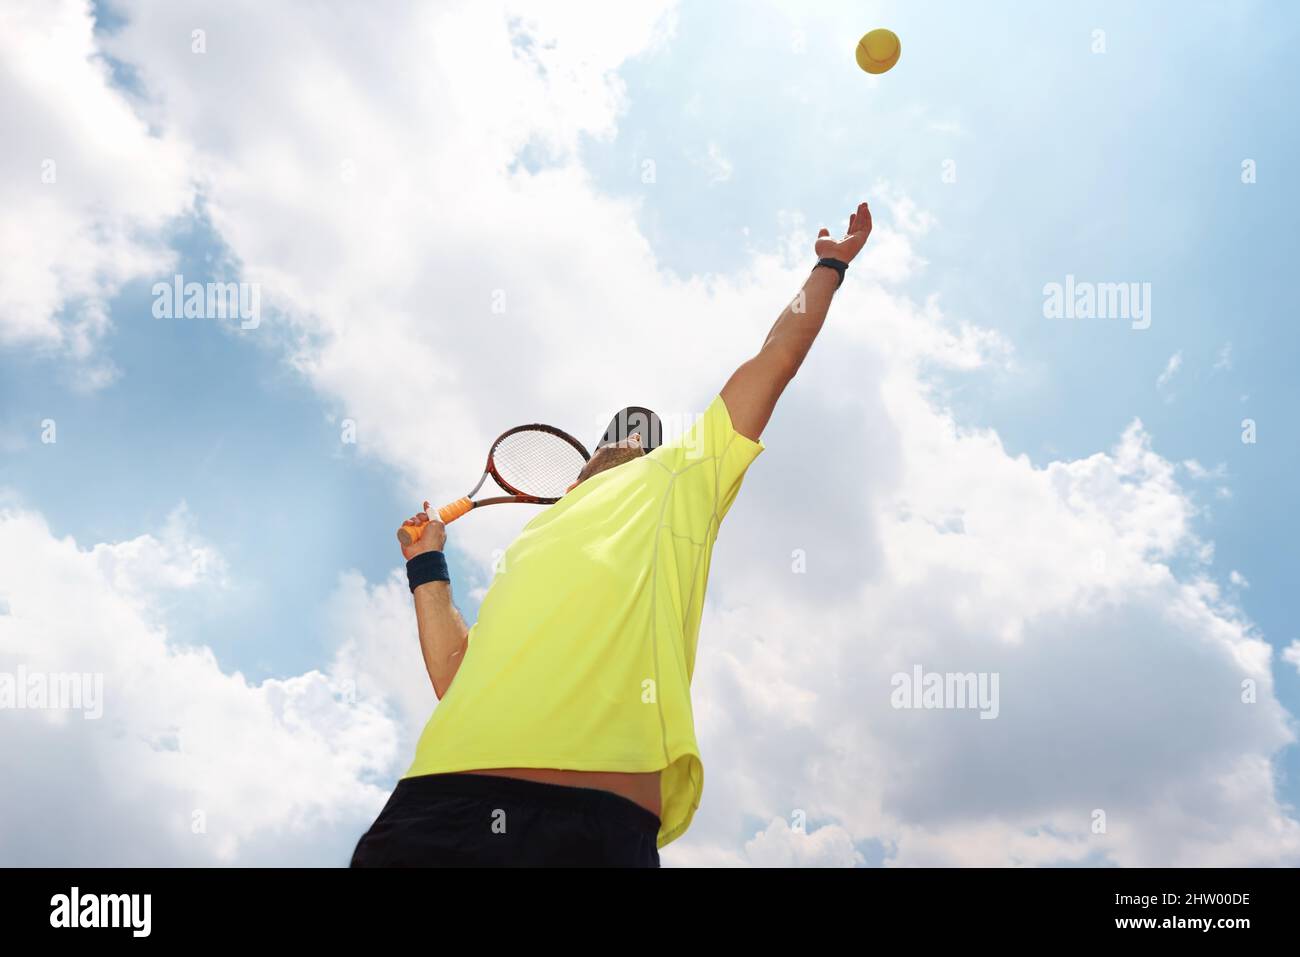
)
(583, 651)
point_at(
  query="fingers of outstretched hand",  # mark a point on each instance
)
(861, 219)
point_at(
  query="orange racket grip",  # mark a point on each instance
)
(449, 513)
(408, 535)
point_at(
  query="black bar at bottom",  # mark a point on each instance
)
(333, 907)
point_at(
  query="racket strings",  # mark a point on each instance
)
(537, 463)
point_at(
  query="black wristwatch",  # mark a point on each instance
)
(835, 264)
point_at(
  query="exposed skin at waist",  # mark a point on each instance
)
(641, 788)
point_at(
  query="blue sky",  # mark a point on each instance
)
(1115, 166)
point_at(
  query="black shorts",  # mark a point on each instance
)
(480, 820)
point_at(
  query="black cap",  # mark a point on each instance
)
(635, 418)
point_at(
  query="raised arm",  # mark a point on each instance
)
(751, 392)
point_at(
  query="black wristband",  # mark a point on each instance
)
(835, 264)
(426, 567)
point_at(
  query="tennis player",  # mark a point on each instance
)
(564, 734)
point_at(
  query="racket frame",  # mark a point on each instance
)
(490, 468)
(515, 494)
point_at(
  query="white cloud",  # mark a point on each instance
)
(781, 846)
(379, 652)
(1198, 471)
(1171, 369)
(714, 163)
(281, 771)
(1119, 683)
(175, 559)
(903, 211)
(403, 261)
(85, 187)
(926, 541)
(1291, 654)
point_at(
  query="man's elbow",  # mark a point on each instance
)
(441, 682)
(442, 677)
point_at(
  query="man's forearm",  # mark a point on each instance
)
(443, 633)
(795, 329)
(751, 393)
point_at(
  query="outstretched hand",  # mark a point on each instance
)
(845, 249)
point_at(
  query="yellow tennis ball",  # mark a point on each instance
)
(878, 51)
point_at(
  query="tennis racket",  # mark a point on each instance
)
(535, 464)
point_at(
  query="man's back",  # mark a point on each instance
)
(584, 647)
